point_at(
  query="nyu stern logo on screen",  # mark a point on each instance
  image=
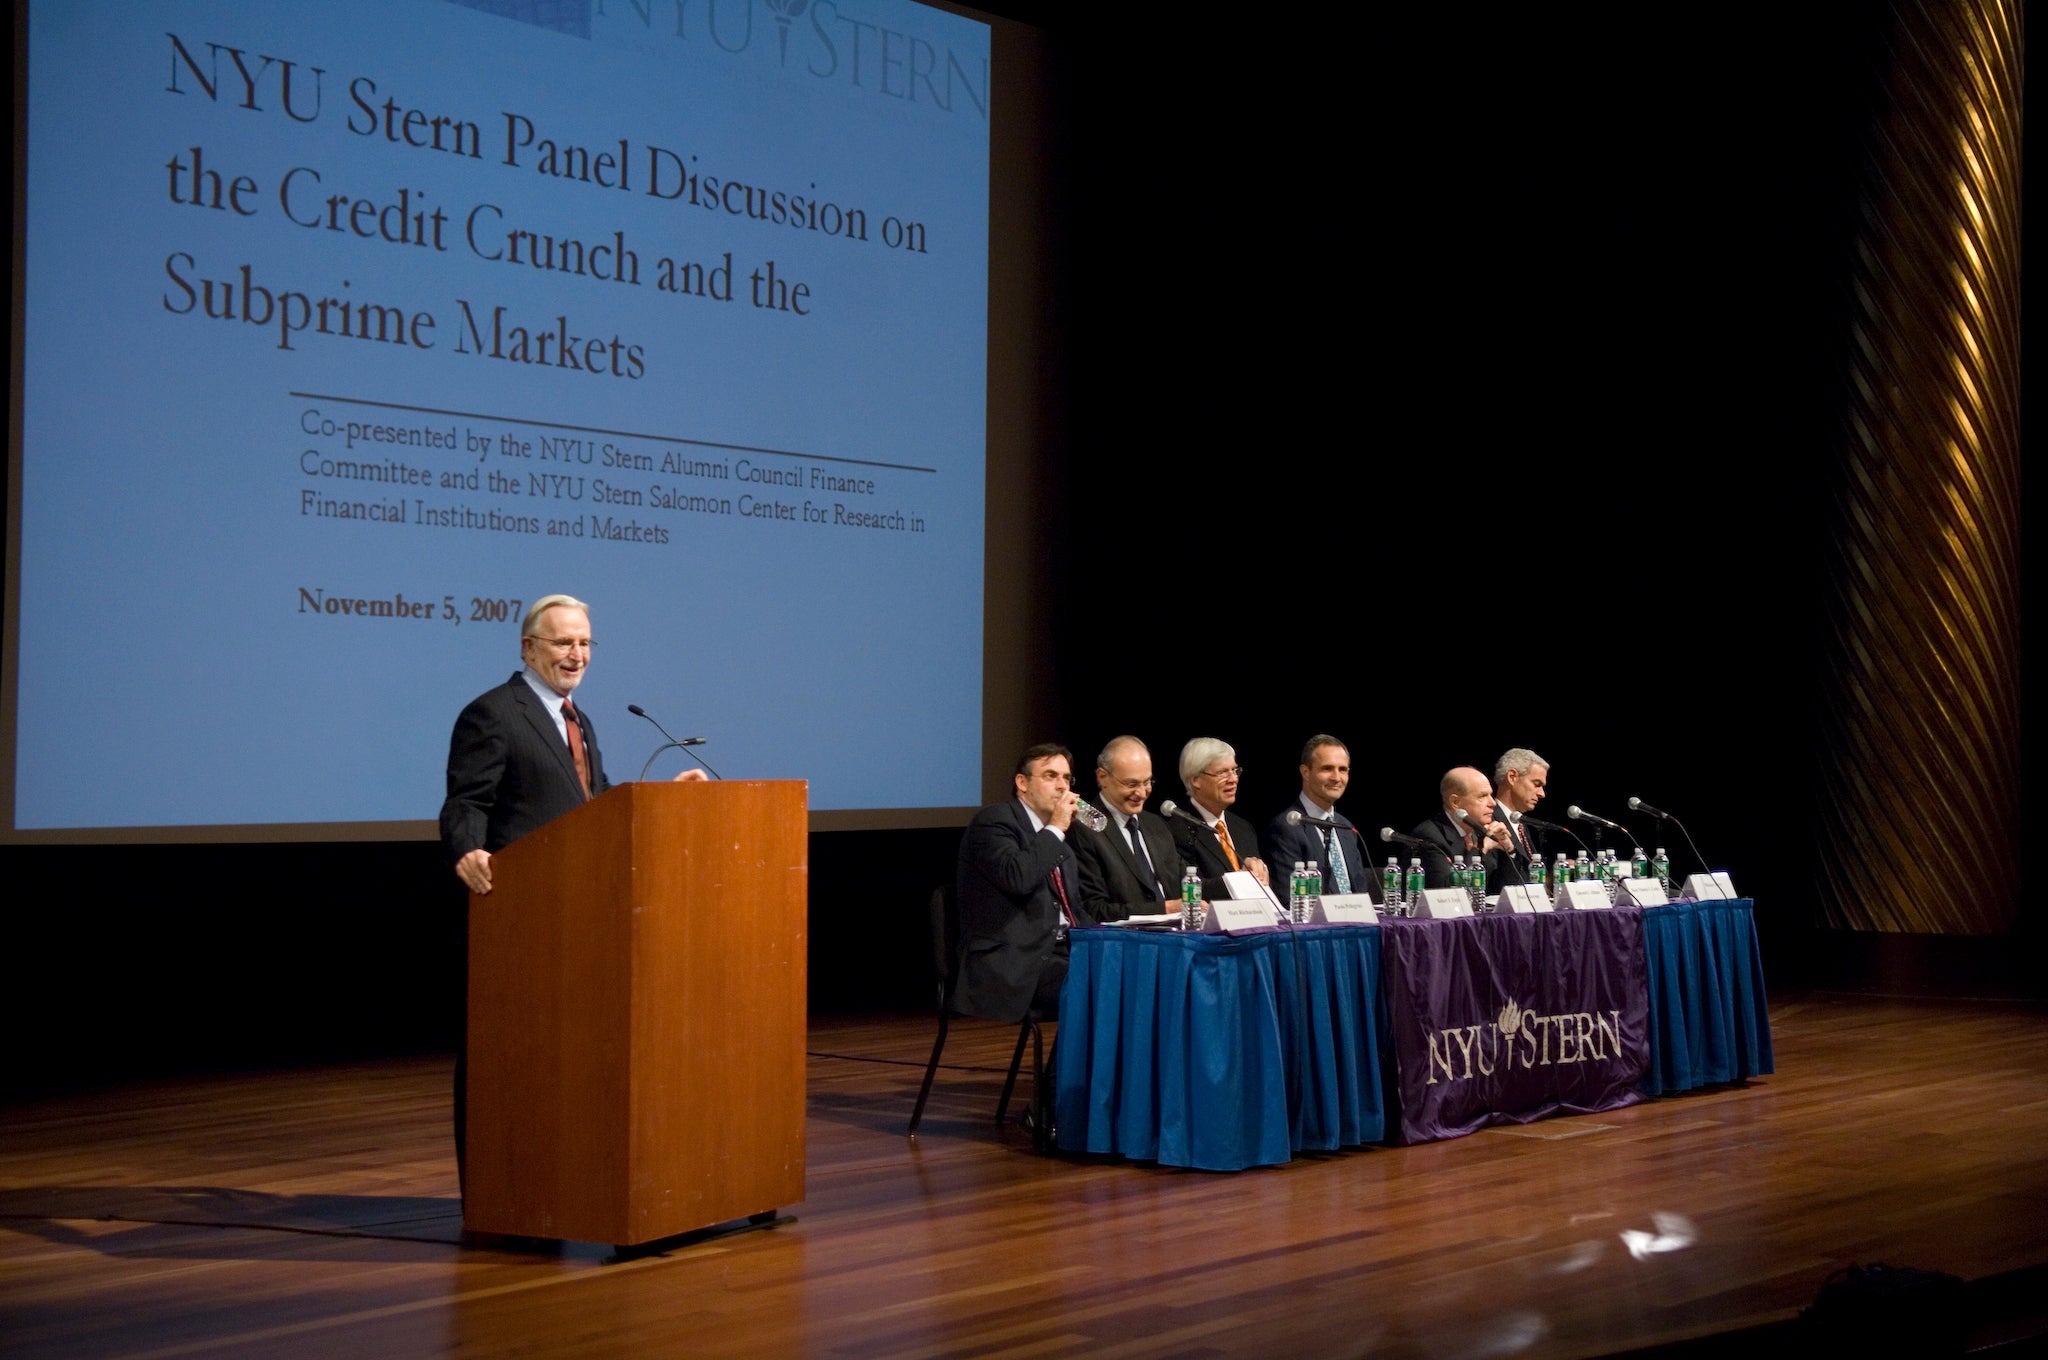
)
(819, 38)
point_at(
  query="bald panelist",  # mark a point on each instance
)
(1131, 867)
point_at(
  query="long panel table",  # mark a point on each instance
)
(1708, 1019)
(1173, 1048)
(1219, 1053)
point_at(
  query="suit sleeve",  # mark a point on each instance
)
(1436, 861)
(1092, 853)
(476, 765)
(1017, 865)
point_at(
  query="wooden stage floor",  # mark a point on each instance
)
(313, 1214)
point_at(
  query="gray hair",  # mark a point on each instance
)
(1115, 745)
(1198, 755)
(531, 623)
(1520, 760)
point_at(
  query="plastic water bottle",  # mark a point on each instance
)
(1475, 881)
(1639, 866)
(1391, 884)
(1416, 880)
(1535, 871)
(1661, 866)
(1297, 888)
(1191, 899)
(1315, 891)
(1458, 879)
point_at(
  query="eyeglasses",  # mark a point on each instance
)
(1132, 785)
(563, 645)
(1230, 772)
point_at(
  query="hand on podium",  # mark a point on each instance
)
(690, 777)
(474, 869)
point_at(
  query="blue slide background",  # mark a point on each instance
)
(168, 673)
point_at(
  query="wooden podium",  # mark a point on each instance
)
(636, 1016)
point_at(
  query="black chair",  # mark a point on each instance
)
(945, 935)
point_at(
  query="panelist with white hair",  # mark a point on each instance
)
(1211, 837)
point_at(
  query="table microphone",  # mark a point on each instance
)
(1295, 817)
(1638, 805)
(1578, 813)
(1537, 823)
(1392, 837)
(1169, 808)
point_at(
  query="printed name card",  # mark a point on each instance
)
(1709, 887)
(1643, 892)
(1227, 917)
(1583, 894)
(1441, 904)
(1345, 909)
(1524, 897)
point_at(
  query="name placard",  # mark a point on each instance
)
(1345, 909)
(1643, 892)
(1226, 916)
(1524, 897)
(1583, 894)
(1708, 887)
(1441, 904)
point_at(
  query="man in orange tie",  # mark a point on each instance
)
(1212, 837)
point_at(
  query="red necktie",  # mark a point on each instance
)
(1059, 888)
(575, 729)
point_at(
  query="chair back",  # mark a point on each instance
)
(945, 929)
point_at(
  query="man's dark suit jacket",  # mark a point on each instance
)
(1519, 873)
(1288, 844)
(1114, 885)
(1445, 839)
(1199, 847)
(509, 771)
(1009, 913)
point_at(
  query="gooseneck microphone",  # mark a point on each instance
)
(1538, 824)
(1296, 817)
(674, 743)
(1577, 813)
(1638, 805)
(1393, 837)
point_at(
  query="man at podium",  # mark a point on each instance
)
(522, 754)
